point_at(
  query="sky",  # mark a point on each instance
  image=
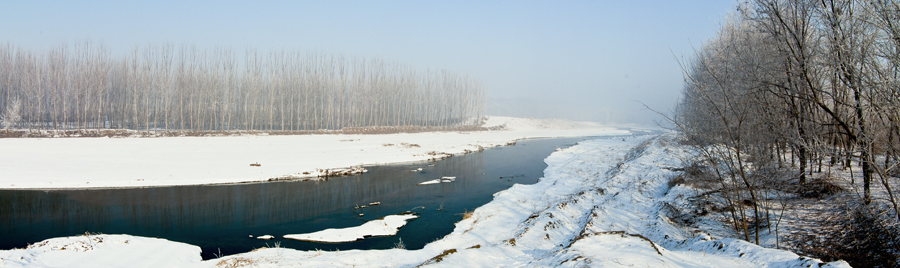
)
(580, 60)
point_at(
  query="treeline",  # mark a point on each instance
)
(810, 82)
(164, 88)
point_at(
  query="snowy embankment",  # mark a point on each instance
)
(52, 163)
(600, 203)
(103, 251)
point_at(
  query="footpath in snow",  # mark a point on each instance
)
(600, 203)
(54, 163)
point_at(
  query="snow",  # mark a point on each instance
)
(166, 161)
(600, 203)
(387, 226)
(103, 251)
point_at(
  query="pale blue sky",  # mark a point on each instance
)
(582, 60)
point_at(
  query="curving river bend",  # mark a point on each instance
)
(220, 218)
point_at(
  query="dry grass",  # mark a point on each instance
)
(236, 262)
(818, 187)
(845, 232)
(694, 175)
(400, 244)
(467, 214)
(822, 218)
(439, 257)
(402, 145)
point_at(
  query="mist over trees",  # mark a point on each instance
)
(811, 82)
(169, 88)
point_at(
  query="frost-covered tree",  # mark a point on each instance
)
(11, 115)
(163, 88)
(804, 80)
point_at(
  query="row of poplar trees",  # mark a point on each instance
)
(164, 88)
(818, 80)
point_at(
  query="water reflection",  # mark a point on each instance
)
(220, 218)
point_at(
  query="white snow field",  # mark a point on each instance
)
(601, 203)
(54, 163)
(103, 251)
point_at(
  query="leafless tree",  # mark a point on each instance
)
(819, 77)
(160, 88)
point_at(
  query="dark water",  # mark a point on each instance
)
(219, 218)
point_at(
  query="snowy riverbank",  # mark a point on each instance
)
(52, 163)
(600, 203)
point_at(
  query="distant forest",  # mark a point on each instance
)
(164, 88)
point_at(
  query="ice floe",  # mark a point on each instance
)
(387, 226)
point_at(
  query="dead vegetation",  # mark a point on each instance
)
(619, 233)
(839, 227)
(236, 262)
(822, 218)
(336, 172)
(438, 258)
(435, 155)
(693, 176)
(402, 145)
(467, 214)
(818, 187)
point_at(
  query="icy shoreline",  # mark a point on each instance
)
(600, 203)
(83, 163)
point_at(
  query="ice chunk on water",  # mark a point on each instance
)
(435, 181)
(387, 226)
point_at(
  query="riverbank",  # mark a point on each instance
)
(600, 203)
(67, 163)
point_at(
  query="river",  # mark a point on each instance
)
(220, 218)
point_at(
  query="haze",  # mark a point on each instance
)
(585, 60)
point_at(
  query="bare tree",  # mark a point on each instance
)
(11, 115)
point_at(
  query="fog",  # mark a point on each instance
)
(592, 60)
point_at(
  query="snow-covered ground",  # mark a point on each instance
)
(49, 163)
(600, 203)
(103, 251)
